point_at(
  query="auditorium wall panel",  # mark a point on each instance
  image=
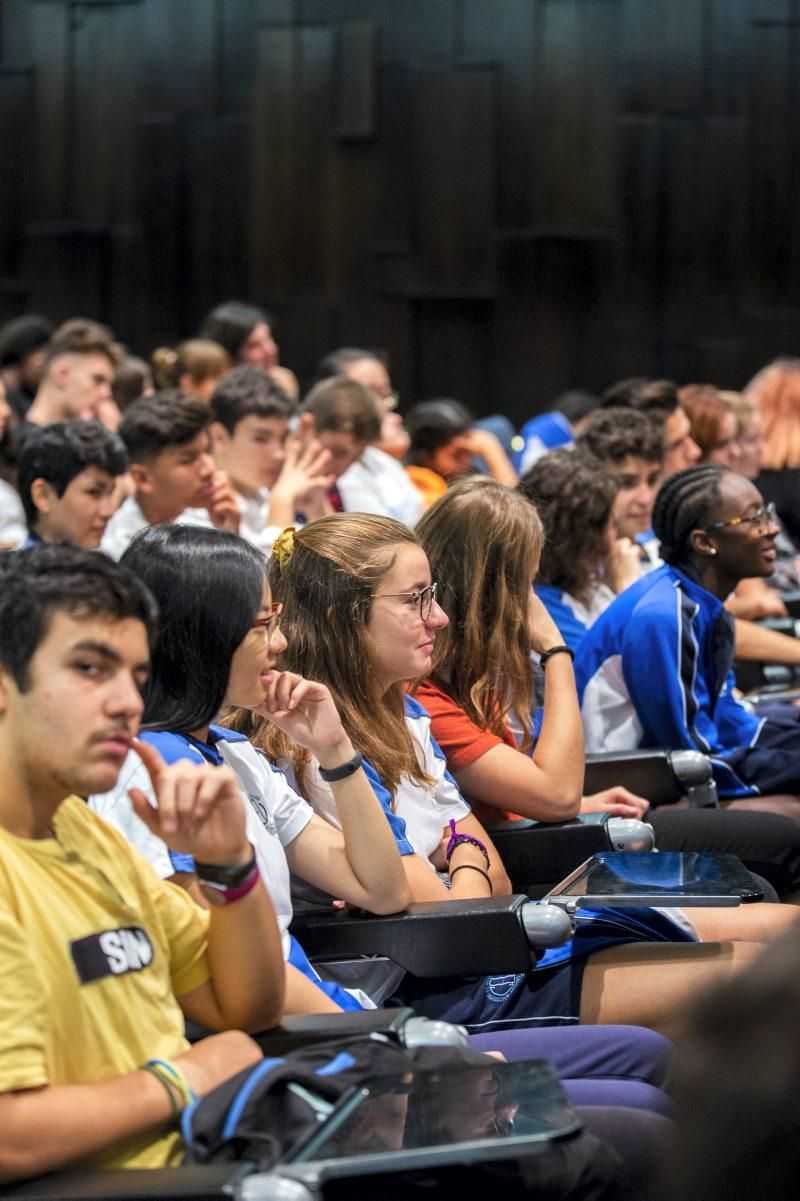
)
(510, 197)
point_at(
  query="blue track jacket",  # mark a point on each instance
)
(655, 671)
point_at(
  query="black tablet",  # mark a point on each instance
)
(425, 1118)
(661, 879)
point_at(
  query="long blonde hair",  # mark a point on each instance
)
(327, 580)
(776, 391)
(483, 542)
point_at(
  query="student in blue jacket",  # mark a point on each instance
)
(655, 668)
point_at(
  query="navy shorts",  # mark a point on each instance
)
(548, 997)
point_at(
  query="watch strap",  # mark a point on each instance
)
(331, 774)
(228, 877)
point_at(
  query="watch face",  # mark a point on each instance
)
(214, 896)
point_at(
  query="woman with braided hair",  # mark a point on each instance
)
(655, 668)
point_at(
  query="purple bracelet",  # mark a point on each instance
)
(456, 839)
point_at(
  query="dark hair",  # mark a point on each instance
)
(337, 361)
(130, 380)
(155, 423)
(344, 406)
(248, 391)
(432, 424)
(59, 452)
(82, 336)
(573, 494)
(209, 586)
(684, 503)
(656, 397)
(576, 404)
(231, 324)
(610, 435)
(36, 583)
(22, 336)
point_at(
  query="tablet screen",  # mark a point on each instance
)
(673, 873)
(435, 1109)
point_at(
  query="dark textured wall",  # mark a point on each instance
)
(509, 196)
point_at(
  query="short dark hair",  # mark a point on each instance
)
(434, 423)
(576, 404)
(684, 503)
(22, 336)
(610, 435)
(37, 583)
(574, 495)
(656, 397)
(155, 423)
(249, 391)
(209, 586)
(344, 406)
(231, 324)
(79, 335)
(59, 452)
(336, 362)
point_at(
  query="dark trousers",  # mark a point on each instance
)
(767, 844)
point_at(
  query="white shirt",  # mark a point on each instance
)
(275, 817)
(253, 519)
(12, 516)
(377, 483)
(123, 526)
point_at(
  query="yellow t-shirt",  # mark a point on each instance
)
(94, 949)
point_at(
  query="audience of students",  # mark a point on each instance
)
(444, 445)
(274, 476)
(245, 333)
(369, 575)
(167, 440)
(553, 430)
(655, 668)
(775, 391)
(22, 343)
(483, 544)
(77, 373)
(12, 516)
(371, 371)
(101, 961)
(67, 475)
(359, 805)
(195, 366)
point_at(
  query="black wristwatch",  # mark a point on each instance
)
(222, 885)
(229, 877)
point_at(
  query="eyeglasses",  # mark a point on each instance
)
(424, 599)
(761, 519)
(270, 623)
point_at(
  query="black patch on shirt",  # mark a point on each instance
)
(111, 953)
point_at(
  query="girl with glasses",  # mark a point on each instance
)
(351, 592)
(219, 638)
(655, 668)
(485, 545)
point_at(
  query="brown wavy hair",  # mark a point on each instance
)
(706, 407)
(574, 495)
(776, 391)
(327, 586)
(483, 542)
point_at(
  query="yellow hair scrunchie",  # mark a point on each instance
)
(283, 546)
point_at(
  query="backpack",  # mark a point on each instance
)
(264, 1111)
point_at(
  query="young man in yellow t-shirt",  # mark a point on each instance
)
(101, 960)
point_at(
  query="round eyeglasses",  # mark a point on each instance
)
(424, 598)
(761, 519)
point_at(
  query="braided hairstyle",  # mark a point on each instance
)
(684, 503)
